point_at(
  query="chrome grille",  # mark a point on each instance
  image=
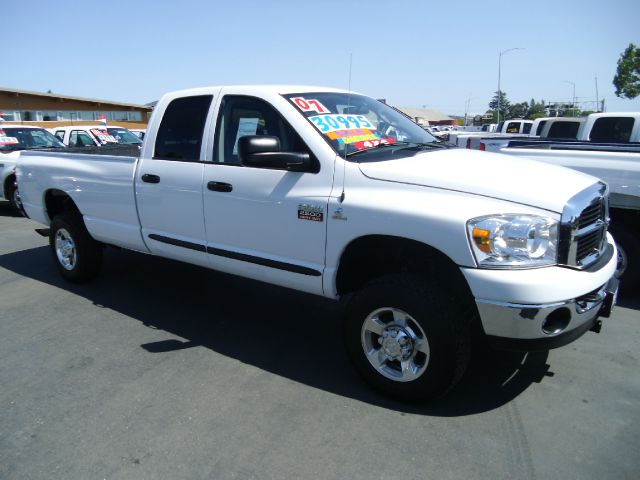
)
(584, 226)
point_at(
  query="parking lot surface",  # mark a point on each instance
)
(164, 370)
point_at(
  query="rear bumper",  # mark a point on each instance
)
(542, 327)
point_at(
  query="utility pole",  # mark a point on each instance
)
(499, 68)
(573, 99)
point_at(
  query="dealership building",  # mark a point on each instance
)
(52, 109)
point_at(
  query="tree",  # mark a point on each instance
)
(536, 109)
(504, 104)
(627, 78)
(519, 110)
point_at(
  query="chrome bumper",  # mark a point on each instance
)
(536, 327)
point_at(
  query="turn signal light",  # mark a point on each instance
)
(481, 238)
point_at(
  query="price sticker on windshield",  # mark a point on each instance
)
(309, 105)
(333, 123)
(103, 136)
(8, 141)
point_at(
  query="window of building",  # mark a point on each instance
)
(85, 115)
(66, 115)
(10, 116)
(119, 116)
(107, 115)
(135, 116)
(180, 133)
(49, 116)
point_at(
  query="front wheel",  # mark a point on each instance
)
(408, 337)
(78, 257)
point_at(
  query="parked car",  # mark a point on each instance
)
(336, 194)
(94, 135)
(13, 140)
(139, 132)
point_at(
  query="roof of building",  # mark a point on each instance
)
(69, 97)
(425, 113)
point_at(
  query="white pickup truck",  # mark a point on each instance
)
(514, 127)
(334, 193)
(95, 135)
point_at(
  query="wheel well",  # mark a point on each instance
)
(621, 217)
(373, 256)
(57, 201)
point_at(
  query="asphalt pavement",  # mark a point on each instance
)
(162, 370)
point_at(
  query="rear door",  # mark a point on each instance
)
(169, 183)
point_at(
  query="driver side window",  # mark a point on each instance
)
(241, 116)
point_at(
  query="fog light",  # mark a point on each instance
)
(556, 321)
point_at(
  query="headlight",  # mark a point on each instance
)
(513, 240)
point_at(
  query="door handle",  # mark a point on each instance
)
(220, 186)
(149, 178)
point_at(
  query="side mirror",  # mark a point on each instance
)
(263, 151)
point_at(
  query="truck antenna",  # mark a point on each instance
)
(344, 163)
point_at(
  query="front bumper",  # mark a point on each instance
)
(543, 308)
(542, 327)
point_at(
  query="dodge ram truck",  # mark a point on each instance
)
(336, 194)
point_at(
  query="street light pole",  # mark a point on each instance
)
(499, 68)
(573, 99)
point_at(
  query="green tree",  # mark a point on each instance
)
(627, 78)
(536, 109)
(519, 110)
(504, 104)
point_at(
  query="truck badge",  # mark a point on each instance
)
(338, 214)
(315, 213)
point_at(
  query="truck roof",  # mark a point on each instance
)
(278, 89)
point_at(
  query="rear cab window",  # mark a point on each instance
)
(612, 129)
(180, 133)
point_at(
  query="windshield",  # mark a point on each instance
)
(22, 138)
(353, 123)
(122, 135)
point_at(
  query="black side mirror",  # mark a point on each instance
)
(263, 151)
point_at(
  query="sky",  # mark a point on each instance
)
(442, 54)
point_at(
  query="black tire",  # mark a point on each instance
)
(433, 312)
(11, 194)
(78, 257)
(628, 271)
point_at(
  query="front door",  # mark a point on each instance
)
(261, 223)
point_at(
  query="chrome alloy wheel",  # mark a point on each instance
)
(395, 344)
(65, 249)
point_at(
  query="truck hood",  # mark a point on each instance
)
(488, 174)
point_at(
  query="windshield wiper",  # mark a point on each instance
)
(435, 144)
(380, 145)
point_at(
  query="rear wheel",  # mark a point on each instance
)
(76, 254)
(13, 195)
(408, 337)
